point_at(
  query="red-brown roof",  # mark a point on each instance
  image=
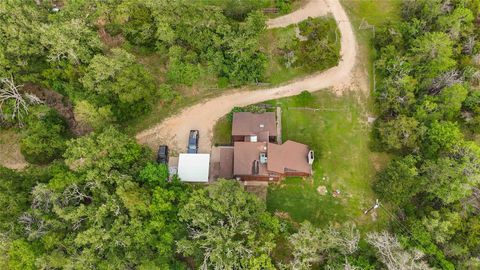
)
(226, 162)
(244, 156)
(247, 123)
(290, 156)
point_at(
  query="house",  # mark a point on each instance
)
(254, 127)
(254, 157)
(265, 161)
(194, 167)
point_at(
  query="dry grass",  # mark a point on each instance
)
(10, 155)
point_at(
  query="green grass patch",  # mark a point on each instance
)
(271, 42)
(289, 57)
(365, 16)
(336, 129)
(222, 132)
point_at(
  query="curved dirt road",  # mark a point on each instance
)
(203, 116)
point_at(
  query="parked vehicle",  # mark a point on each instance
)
(162, 155)
(193, 142)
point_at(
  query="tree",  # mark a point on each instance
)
(441, 137)
(108, 150)
(71, 40)
(399, 181)
(393, 255)
(457, 23)
(432, 54)
(450, 101)
(45, 137)
(20, 35)
(137, 22)
(118, 81)
(227, 227)
(442, 225)
(313, 245)
(452, 177)
(322, 47)
(21, 256)
(100, 211)
(154, 174)
(396, 96)
(91, 117)
(14, 105)
(401, 133)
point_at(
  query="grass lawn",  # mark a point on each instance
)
(272, 41)
(339, 134)
(222, 132)
(375, 13)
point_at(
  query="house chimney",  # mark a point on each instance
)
(255, 168)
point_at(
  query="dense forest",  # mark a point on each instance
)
(94, 199)
(429, 104)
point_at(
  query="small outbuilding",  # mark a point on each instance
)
(194, 167)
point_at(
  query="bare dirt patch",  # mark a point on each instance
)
(10, 155)
(59, 103)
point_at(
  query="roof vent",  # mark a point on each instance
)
(263, 158)
(262, 125)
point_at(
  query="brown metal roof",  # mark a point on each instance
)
(226, 162)
(245, 154)
(290, 156)
(247, 123)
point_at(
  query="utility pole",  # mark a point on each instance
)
(375, 206)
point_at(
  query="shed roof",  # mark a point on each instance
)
(247, 123)
(194, 167)
(226, 162)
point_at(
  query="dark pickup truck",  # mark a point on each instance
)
(193, 142)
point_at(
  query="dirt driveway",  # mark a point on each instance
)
(203, 116)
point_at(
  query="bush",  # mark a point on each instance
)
(322, 47)
(154, 174)
(250, 108)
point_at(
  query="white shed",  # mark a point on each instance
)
(194, 167)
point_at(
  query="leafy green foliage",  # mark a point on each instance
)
(154, 174)
(398, 182)
(109, 150)
(44, 138)
(21, 255)
(214, 216)
(313, 245)
(19, 35)
(118, 81)
(427, 97)
(72, 40)
(95, 213)
(399, 134)
(322, 47)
